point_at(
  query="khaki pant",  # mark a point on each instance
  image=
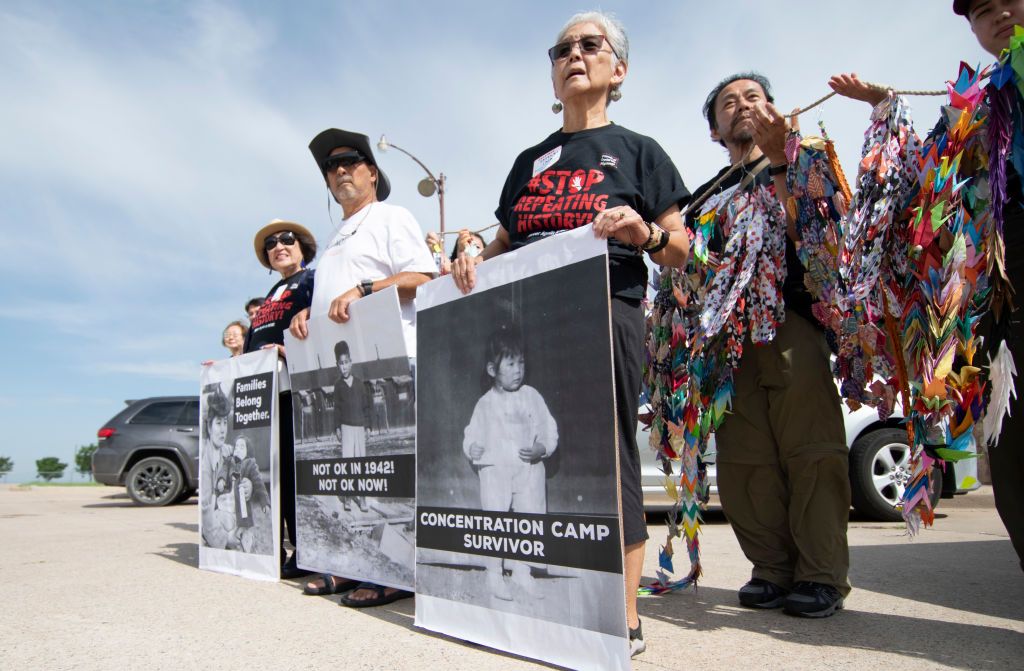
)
(783, 464)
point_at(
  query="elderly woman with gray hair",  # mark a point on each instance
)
(637, 195)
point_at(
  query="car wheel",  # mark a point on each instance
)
(155, 481)
(879, 472)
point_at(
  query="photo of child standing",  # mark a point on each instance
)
(349, 412)
(508, 437)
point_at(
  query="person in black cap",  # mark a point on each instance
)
(376, 246)
(993, 22)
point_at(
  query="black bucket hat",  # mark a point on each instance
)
(327, 141)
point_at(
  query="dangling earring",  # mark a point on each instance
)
(556, 107)
(615, 94)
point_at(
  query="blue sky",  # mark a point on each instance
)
(144, 143)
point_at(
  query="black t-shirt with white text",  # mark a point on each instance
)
(566, 180)
(286, 298)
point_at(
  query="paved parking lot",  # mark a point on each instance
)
(93, 582)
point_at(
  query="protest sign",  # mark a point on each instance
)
(239, 525)
(518, 534)
(355, 465)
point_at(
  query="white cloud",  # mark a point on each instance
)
(145, 143)
(227, 42)
(166, 147)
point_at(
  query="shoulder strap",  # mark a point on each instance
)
(749, 177)
(697, 202)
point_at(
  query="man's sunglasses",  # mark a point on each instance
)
(589, 45)
(286, 238)
(345, 159)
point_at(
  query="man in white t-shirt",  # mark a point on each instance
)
(376, 246)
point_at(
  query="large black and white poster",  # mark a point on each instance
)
(239, 519)
(353, 402)
(518, 542)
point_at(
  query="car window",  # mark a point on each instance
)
(164, 412)
(190, 415)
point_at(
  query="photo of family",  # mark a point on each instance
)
(237, 502)
(236, 507)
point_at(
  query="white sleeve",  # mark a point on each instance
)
(475, 430)
(407, 248)
(547, 429)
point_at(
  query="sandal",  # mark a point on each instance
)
(378, 600)
(331, 585)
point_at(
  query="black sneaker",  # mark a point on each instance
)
(813, 599)
(636, 640)
(760, 593)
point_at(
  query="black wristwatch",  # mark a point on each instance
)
(661, 243)
(366, 287)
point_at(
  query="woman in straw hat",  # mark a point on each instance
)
(287, 248)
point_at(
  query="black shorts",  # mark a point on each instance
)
(628, 354)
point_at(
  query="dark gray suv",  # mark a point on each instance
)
(152, 449)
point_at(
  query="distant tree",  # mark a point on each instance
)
(6, 466)
(50, 468)
(83, 459)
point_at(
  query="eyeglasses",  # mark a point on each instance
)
(589, 45)
(345, 159)
(286, 238)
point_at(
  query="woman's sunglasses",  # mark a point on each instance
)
(286, 238)
(589, 45)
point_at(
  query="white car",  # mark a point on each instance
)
(879, 467)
